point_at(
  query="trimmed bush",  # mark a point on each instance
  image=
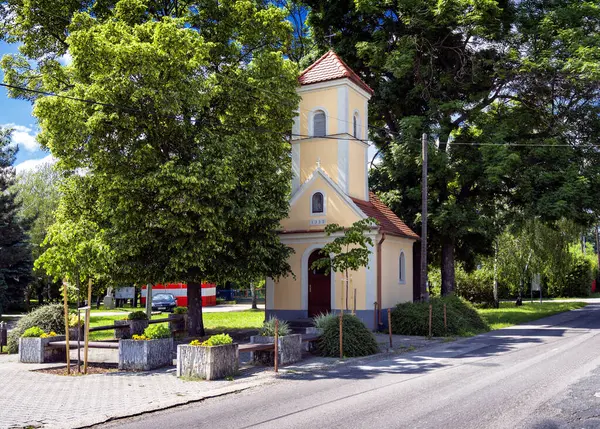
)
(137, 315)
(33, 332)
(268, 328)
(155, 332)
(180, 310)
(218, 340)
(47, 317)
(357, 339)
(413, 318)
(322, 319)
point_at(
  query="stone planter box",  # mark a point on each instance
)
(289, 349)
(177, 322)
(144, 355)
(122, 333)
(137, 327)
(208, 363)
(74, 332)
(311, 346)
(34, 350)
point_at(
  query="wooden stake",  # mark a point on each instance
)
(354, 309)
(430, 315)
(341, 336)
(87, 328)
(68, 350)
(276, 357)
(390, 326)
(445, 322)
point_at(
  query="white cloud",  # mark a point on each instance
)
(65, 59)
(24, 137)
(34, 164)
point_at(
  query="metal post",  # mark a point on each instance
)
(430, 315)
(149, 300)
(390, 326)
(68, 351)
(276, 357)
(87, 327)
(424, 292)
(341, 336)
(3, 335)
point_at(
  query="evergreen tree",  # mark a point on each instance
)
(15, 253)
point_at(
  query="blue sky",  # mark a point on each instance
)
(17, 114)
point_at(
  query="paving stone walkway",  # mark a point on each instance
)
(40, 400)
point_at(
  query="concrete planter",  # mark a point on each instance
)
(137, 327)
(75, 333)
(122, 333)
(177, 322)
(289, 349)
(311, 346)
(208, 363)
(144, 355)
(34, 350)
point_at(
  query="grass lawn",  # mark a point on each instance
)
(508, 314)
(226, 321)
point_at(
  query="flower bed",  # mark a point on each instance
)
(210, 360)
(149, 351)
(33, 347)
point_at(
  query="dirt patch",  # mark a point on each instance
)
(93, 368)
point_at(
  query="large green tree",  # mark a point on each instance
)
(15, 253)
(478, 77)
(180, 143)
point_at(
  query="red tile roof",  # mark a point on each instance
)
(388, 221)
(330, 67)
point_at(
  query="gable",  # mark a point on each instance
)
(338, 208)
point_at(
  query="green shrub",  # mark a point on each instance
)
(268, 328)
(137, 315)
(33, 332)
(220, 301)
(413, 318)
(157, 331)
(357, 339)
(218, 340)
(320, 320)
(180, 310)
(47, 317)
(73, 320)
(577, 282)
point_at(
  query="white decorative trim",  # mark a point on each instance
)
(332, 84)
(371, 286)
(315, 237)
(270, 293)
(311, 128)
(366, 127)
(402, 269)
(295, 166)
(296, 127)
(319, 171)
(304, 268)
(343, 161)
(366, 155)
(342, 109)
(324, 212)
(359, 130)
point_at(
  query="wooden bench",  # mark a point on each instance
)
(245, 348)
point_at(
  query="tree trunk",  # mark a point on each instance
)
(448, 277)
(149, 300)
(195, 323)
(496, 300)
(253, 293)
(135, 297)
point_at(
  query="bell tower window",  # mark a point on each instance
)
(319, 124)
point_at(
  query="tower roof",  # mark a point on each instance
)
(330, 67)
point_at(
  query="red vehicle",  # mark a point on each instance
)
(179, 291)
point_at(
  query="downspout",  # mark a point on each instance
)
(379, 279)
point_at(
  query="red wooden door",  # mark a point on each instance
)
(319, 288)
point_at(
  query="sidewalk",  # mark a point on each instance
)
(52, 401)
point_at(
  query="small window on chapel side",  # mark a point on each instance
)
(317, 205)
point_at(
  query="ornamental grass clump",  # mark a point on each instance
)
(322, 319)
(268, 328)
(413, 318)
(137, 315)
(156, 332)
(357, 339)
(47, 317)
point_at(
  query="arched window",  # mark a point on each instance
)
(317, 203)
(319, 124)
(355, 125)
(402, 268)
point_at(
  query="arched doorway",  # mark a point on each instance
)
(319, 287)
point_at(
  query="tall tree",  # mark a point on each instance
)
(187, 170)
(472, 74)
(15, 253)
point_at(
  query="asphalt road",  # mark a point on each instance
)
(538, 376)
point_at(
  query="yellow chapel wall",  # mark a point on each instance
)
(337, 209)
(357, 187)
(323, 149)
(392, 291)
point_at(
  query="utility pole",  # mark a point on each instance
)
(424, 292)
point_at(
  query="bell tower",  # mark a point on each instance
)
(330, 129)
